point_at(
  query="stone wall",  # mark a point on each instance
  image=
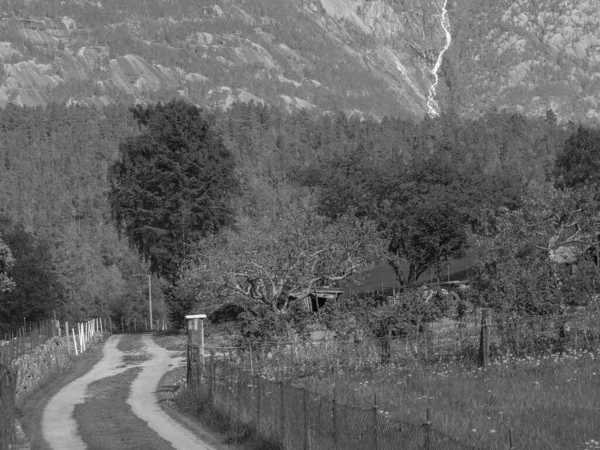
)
(38, 366)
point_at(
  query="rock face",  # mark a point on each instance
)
(529, 56)
(370, 56)
(374, 57)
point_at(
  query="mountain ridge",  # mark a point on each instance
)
(371, 58)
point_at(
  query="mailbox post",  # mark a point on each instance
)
(195, 348)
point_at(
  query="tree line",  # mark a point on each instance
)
(207, 197)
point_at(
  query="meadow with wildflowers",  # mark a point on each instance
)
(546, 402)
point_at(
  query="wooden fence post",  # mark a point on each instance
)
(306, 430)
(74, 342)
(258, 404)
(484, 349)
(193, 345)
(375, 428)
(212, 377)
(427, 427)
(67, 335)
(282, 412)
(334, 413)
(81, 339)
(239, 400)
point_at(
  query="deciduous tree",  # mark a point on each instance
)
(274, 260)
(6, 264)
(537, 259)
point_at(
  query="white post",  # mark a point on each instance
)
(75, 342)
(81, 344)
(68, 337)
(150, 298)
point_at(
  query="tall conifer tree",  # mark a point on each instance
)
(173, 184)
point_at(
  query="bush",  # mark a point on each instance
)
(261, 325)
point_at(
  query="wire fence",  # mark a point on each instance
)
(8, 384)
(18, 339)
(270, 386)
(21, 339)
(441, 342)
(294, 417)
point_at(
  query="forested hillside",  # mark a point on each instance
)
(56, 162)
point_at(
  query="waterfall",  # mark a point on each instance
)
(432, 105)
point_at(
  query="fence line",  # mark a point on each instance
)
(263, 386)
(129, 324)
(24, 339)
(20, 339)
(293, 416)
(475, 341)
(8, 384)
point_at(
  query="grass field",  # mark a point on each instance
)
(547, 402)
(551, 402)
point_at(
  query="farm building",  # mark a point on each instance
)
(317, 299)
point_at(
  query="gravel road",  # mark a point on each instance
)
(60, 429)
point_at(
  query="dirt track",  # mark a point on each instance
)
(60, 429)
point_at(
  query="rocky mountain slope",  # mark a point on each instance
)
(371, 57)
(528, 56)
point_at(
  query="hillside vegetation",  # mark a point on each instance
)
(56, 162)
(525, 56)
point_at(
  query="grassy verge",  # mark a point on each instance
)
(550, 402)
(192, 410)
(32, 407)
(171, 340)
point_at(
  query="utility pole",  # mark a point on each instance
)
(150, 299)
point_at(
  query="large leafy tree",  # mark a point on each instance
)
(540, 258)
(273, 260)
(36, 290)
(173, 184)
(6, 264)
(424, 208)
